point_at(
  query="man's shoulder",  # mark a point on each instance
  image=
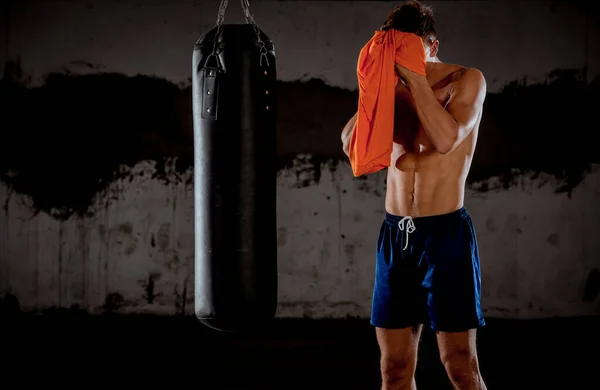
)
(472, 74)
(461, 72)
(467, 83)
(462, 79)
(469, 78)
(471, 87)
(457, 73)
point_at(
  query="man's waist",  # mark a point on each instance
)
(419, 203)
(423, 220)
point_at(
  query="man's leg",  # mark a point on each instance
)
(399, 306)
(398, 357)
(454, 284)
(458, 353)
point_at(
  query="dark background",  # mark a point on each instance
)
(96, 226)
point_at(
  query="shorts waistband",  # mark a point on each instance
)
(430, 219)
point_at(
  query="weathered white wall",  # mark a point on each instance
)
(537, 247)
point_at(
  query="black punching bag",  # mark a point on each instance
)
(233, 85)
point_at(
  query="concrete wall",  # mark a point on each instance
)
(96, 154)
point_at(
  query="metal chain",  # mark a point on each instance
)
(250, 19)
(220, 20)
(249, 16)
(221, 12)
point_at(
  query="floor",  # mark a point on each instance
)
(58, 349)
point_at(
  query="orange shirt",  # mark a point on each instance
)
(373, 136)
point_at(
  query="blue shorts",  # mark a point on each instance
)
(427, 272)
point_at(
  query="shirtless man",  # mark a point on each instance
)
(427, 258)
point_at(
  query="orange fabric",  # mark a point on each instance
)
(372, 139)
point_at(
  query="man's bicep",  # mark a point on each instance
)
(467, 103)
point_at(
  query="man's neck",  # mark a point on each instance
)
(432, 64)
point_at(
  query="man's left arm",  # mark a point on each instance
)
(448, 127)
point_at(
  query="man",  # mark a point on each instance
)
(427, 267)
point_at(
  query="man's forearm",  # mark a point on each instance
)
(347, 134)
(439, 125)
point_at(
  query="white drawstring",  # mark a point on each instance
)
(410, 227)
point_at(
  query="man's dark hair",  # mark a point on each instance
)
(413, 17)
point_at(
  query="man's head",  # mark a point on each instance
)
(414, 17)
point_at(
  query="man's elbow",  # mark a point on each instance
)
(346, 148)
(446, 145)
(445, 149)
(449, 141)
(346, 139)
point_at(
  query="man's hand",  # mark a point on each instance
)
(407, 75)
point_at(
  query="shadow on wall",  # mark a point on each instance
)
(64, 142)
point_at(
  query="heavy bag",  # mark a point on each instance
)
(233, 85)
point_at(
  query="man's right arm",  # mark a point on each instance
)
(347, 134)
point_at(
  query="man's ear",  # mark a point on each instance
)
(435, 45)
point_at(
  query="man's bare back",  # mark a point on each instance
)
(421, 181)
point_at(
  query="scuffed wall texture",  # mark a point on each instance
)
(96, 154)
